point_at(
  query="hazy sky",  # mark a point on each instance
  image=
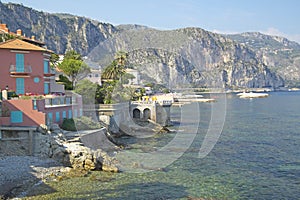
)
(276, 17)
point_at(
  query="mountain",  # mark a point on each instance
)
(59, 31)
(188, 56)
(175, 58)
(279, 54)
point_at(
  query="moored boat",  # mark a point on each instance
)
(252, 95)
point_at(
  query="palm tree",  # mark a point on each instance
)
(116, 69)
(121, 57)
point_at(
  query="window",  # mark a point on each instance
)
(70, 114)
(80, 112)
(34, 104)
(46, 88)
(75, 113)
(20, 86)
(19, 62)
(16, 117)
(64, 115)
(50, 118)
(68, 100)
(57, 116)
(46, 67)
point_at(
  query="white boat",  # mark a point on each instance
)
(252, 95)
(188, 98)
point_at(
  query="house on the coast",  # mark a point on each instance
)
(95, 76)
(25, 72)
(136, 80)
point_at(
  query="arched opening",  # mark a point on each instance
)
(147, 114)
(136, 113)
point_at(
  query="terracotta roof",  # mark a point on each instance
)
(18, 44)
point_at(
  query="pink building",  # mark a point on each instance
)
(25, 69)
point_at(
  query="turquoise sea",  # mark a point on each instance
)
(257, 156)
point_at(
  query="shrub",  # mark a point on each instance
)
(82, 123)
(68, 125)
(86, 123)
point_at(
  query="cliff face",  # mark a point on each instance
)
(59, 31)
(279, 54)
(190, 56)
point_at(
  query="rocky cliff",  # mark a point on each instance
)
(60, 32)
(279, 54)
(190, 56)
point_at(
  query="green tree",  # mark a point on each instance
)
(73, 55)
(74, 67)
(87, 90)
(54, 58)
(65, 81)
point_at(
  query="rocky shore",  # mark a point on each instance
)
(57, 154)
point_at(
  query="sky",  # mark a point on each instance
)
(274, 17)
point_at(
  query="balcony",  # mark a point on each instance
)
(50, 73)
(20, 71)
(59, 101)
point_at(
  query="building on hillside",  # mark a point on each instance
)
(95, 76)
(25, 71)
(137, 77)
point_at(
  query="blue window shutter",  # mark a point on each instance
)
(75, 113)
(70, 114)
(19, 62)
(64, 115)
(16, 117)
(57, 116)
(34, 104)
(46, 88)
(50, 117)
(20, 86)
(46, 67)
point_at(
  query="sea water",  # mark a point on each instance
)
(256, 155)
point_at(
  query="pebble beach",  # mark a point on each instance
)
(20, 173)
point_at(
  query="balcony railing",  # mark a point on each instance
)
(14, 70)
(50, 73)
(59, 101)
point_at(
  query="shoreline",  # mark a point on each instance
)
(18, 174)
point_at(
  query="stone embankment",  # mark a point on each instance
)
(68, 149)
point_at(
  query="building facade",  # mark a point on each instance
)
(25, 70)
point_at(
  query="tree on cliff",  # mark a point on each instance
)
(74, 67)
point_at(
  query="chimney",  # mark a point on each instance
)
(3, 28)
(19, 32)
(32, 37)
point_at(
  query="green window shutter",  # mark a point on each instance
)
(16, 117)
